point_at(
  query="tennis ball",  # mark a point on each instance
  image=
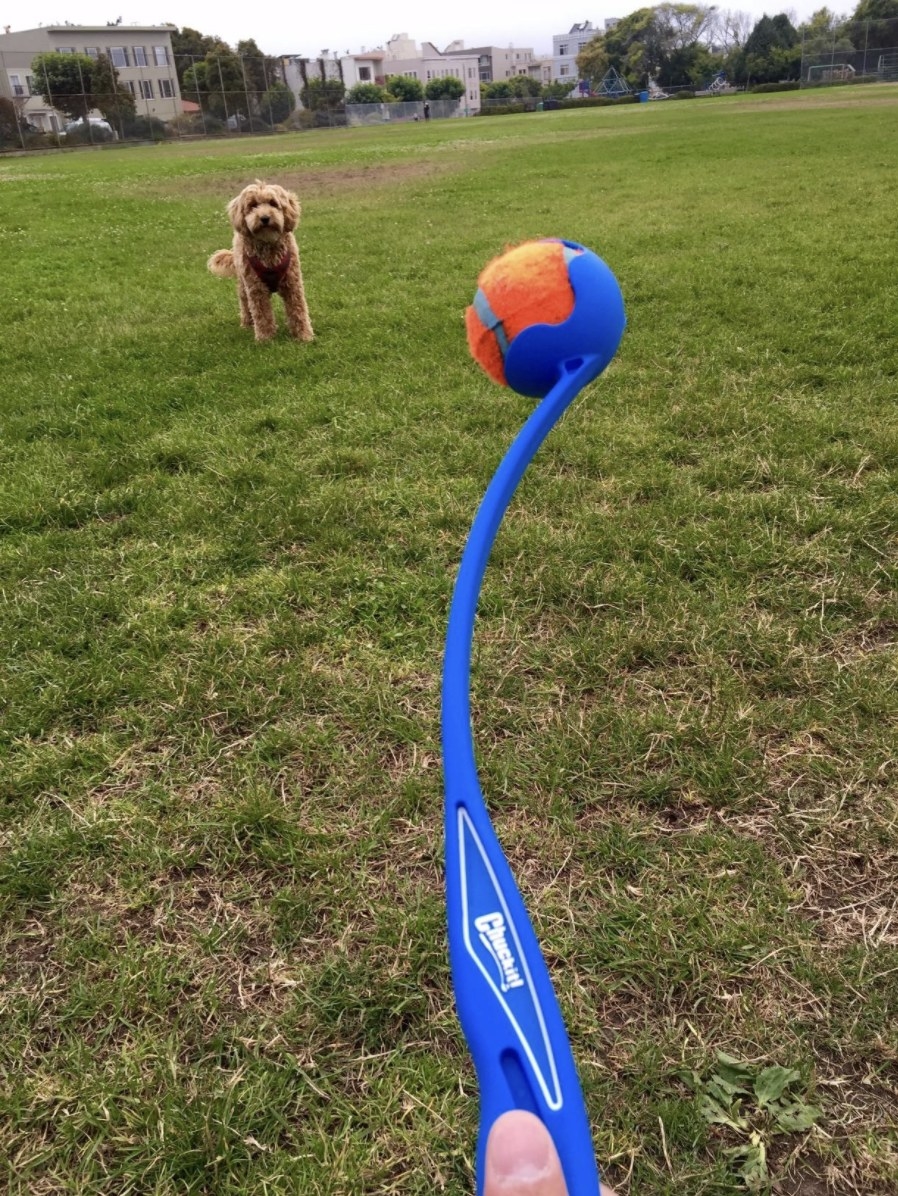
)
(540, 305)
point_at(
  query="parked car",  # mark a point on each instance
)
(101, 128)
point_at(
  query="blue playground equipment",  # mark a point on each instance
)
(613, 85)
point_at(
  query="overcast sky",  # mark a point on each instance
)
(308, 27)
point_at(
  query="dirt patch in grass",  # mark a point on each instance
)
(316, 183)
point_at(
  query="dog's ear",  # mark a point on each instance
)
(292, 210)
(237, 208)
(237, 212)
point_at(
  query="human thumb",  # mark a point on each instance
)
(521, 1159)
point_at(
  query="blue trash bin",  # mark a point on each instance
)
(643, 97)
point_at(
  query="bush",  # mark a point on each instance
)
(598, 101)
(788, 85)
(530, 105)
(300, 120)
(146, 128)
(686, 94)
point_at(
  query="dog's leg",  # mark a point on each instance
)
(259, 300)
(246, 317)
(294, 295)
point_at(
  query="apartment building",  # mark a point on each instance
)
(566, 47)
(404, 58)
(142, 55)
(494, 62)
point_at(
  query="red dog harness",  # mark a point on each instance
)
(272, 276)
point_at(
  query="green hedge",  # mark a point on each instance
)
(530, 105)
(789, 85)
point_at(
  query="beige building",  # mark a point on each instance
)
(494, 62)
(404, 58)
(142, 55)
(542, 70)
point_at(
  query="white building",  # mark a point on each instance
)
(142, 55)
(566, 47)
(365, 67)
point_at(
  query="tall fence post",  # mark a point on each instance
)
(249, 107)
(224, 98)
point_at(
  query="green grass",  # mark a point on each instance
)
(225, 571)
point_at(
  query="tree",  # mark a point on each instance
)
(109, 96)
(823, 33)
(448, 88)
(876, 10)
(319, 95)
(771, 52)
(524, 86)
(277, 103)
(500, 90)
(405, 89)
(10, 124)
(555, 91)
(189, 46)
(260, 70)
(366, 93)
(668, 42)
(65, 82)
(874, 25)
(729, 29)
(218, 83)
(593, 61)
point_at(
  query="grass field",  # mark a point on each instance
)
(225, 571)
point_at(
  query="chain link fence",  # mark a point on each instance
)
(185, 97)
(854, 52)
(381, 114)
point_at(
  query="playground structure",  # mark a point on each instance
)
(613, 85)
(718, 86)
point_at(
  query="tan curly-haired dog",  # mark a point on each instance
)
(265, 260)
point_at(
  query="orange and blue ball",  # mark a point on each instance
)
(539, 306)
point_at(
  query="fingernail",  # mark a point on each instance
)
(520, 1149)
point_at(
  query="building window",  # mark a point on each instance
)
(29, 85)
(92, 51)
(146, 89)
(565, 70)
(65, 49)
(119, 56)
(129, 83)
(140, 55)
(160, 55)
(165, 89)
(562, 50)
(470, 72)
(364, 74)
(16, 84)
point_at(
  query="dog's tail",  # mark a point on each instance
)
(222, 263)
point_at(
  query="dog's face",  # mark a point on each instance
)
(264, 211)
